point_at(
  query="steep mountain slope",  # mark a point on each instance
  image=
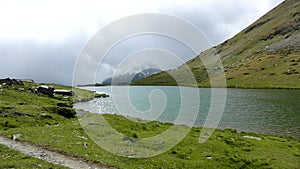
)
(265, 54)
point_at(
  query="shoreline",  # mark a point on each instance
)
(37, 119)
(238, 131)
(204, 86)
(219, 127)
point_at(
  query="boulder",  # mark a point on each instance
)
(10, 82)
(64, 92)
(47, 90)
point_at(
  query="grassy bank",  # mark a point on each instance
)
(39, 120)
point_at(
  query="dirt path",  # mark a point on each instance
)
(49, 156)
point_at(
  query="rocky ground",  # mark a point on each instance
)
(49, 156)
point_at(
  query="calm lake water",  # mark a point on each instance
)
(268, 111)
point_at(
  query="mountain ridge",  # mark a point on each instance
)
(266, 54)
(130, 77)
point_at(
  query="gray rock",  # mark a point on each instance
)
(64, 92)
(10, 82)
(47, 90)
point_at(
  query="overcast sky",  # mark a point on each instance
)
(41, 39)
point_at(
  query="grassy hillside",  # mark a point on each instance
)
(22, 108)
(266, 54)
(38, 120)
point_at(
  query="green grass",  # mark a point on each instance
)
(101, 95)
(42, 125)
(227, 148)
(253, 58)
(22, 109)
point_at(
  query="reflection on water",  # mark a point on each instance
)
(253, 110)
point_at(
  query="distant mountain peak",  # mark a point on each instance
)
(131, 76)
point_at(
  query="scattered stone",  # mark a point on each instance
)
(16, 136)
(252, 137)
(209, 157)
(43, 155)
(46, 116)
(10, 82)
(128, 140)
(49, 90)
(4, 113)
(85, 144)
(82, 137)
(4, 85)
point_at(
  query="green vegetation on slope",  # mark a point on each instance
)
(20, 108)
(264, 55)
(28, 114)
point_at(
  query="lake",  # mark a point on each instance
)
(266, 111)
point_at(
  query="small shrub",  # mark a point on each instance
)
(134, 135)
(294, 64)
(8, 125)
(103, 95)
(61, 104)
(63, 111)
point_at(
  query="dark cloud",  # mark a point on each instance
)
(45, 60)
